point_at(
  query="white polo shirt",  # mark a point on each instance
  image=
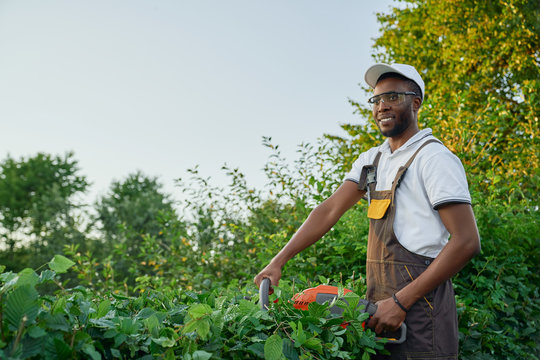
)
(435, 177)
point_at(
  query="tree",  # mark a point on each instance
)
(37, 206)
(479, 60)
(133, 208)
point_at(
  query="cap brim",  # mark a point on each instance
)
(374, 73)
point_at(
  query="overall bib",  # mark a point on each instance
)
(432, 329)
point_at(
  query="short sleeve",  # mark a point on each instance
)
(445, 180)
(365, 158)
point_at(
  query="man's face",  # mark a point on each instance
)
(393, 120)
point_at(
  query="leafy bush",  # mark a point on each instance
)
(496, 293)
(498, 302)
(218, 323)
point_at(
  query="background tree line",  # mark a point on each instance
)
(480, 62)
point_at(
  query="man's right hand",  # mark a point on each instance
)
(272, 272)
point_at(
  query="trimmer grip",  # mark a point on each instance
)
(371, 309)
(264, 296)
(402, 337)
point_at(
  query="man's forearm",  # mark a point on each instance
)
(452, 258)
(318, 223)
(463, 245)
(321, 219)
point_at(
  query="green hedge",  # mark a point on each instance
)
(219, 323)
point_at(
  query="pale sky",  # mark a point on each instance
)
(161, 86)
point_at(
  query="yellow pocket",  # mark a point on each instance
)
(378, 208)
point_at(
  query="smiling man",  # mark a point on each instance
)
(422, 227)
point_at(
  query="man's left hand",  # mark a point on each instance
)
(388, 316)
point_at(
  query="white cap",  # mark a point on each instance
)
(374, 73)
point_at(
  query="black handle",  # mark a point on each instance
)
(402, 329)
(371, 309)
(402, 337)
(264, 295)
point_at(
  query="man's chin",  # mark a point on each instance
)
(389, 133)
(392, 132)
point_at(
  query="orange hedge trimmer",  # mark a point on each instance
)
(322, 294)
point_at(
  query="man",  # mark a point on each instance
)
(410, 259)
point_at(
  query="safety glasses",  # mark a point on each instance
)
(390, 98)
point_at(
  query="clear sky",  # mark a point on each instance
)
(161, 86)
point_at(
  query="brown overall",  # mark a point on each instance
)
(432, 329)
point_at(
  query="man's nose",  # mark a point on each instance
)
(383, 106)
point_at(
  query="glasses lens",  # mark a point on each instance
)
(393, 98)
(375, 100)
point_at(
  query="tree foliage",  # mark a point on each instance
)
(133, 208)
(136, 209)
(480, 62)
(37, 203)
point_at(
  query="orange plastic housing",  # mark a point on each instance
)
(304, 298)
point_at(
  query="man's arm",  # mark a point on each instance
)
(463, 245)
(318, 223)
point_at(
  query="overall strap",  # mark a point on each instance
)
(377, 158)
(372, 186)
(403, 169)
(368, 175)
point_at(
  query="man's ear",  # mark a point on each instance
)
(417, 102)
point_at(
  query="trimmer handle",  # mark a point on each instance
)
(371, 309)
(264, 294)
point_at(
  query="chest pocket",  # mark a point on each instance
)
(377, 208)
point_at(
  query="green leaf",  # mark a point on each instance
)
(203, 328)
(59, 307)
(32, 346)
(273, 347)
(21, 303)
(9, 279)
(128, 326)
(247, 307)
(60, 264)
(119, 339)
(257, 349)
(152, 324)
(90, 350)
(145, 313)
(289, 351)
(2, 268)
(56, 348)
(318, 310)
(299, 336)
(103, 309)
(46, 275)
(197, 311)
(190, 326)
(27, 277)
(314, 343)
(164, 341)
(323, 280)
(36, 332)
(353, 300)
(57, 322)
(201, 355)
